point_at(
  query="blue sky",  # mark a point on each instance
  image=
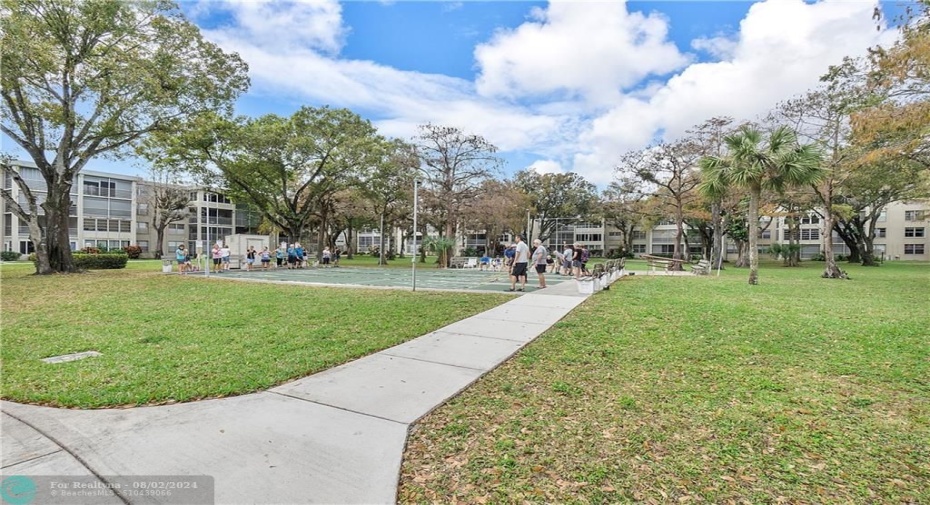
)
(558, 86)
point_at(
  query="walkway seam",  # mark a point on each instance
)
(337, 407)
(75, 456)
(385, 353)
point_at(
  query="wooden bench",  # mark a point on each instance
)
(667, 264)
(701, 267)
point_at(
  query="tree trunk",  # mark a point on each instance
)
(56, 228)
(676, 253)
(159, 241)
(716, 251)
(830, 270)
(754, 198)
(742, 260)
(794, 248)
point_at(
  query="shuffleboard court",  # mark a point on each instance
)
(393, 278)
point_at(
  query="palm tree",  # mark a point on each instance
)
(755, 163)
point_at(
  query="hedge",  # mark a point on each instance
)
(9, 256)
(102, 261)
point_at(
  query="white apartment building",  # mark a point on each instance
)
(113, 211)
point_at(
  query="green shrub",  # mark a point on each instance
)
(9, 255)
(105, 261)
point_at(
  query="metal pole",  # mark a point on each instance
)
(414, 255)
(381, 242)
(209, 256)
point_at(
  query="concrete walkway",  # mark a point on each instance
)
(334, 437)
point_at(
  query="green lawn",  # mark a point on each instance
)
(702, 389)
(168, 338)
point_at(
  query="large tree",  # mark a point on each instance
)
(670, 172)
(755, 162)
(288, 168)
(821, 117)
(85, 79)
(623, 207)
(387, 185)
(556, 199)
(453, 165)
(167, 202)
(500, 207)
(897, 124)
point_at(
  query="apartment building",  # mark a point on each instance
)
(113, 211)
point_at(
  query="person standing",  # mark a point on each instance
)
(217, 255)
(279, 254)
(540, 258)
(521, 257)
(576, 260)
(181, 256)
(250, 258)
(266, 258)
(567, 259)
(226, 256)
(326, 256)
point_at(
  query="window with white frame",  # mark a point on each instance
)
(588, 237)
(913, 232)
(912, 215)
(639, 248)
(639, 235)
(812, 219)
(913, 248)
(142, 227)
(144, 245)
(176, 228)
(810, 234)
(881, 232)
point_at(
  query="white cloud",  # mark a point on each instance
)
(546, 167)
(283, 26)
(720, 47)
(577, 84)
(589, 49)
(781, 50)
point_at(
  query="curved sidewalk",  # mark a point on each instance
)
(334, 437)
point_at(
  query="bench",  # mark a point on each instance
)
(701, 267)
(458, 262)
(667, 264)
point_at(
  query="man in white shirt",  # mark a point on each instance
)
(520, 259)
(540, 255)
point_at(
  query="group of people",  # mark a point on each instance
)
(572, 261)
(290, 256)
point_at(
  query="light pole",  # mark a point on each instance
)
(413, 259)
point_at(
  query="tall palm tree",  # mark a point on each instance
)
(754, 163)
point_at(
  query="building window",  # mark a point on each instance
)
(176, 228)
(639, 235)
(765, 234)
(142, 227)
(639, 248)
(913, 232)
(588, 237)
(810, 220)
(143, 209)
(144, 245)
(810, 234)
(913, 248)
(881, 232)
(882, 217)
(912, 215)
(615, 234)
